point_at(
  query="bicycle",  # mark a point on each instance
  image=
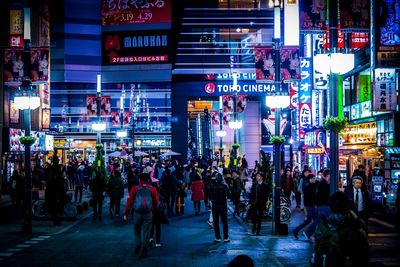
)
(285, 212)
(39, 208)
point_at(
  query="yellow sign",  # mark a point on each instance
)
(60, 143)
(315, 150)
(16, 21)
(363, 133)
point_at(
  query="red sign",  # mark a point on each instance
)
(121, 12)
(359, 39)
(16, 41)
(209, 88)
(294, 95)
(138, 59)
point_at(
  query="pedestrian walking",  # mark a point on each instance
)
(219, 195)
(360, 201)
(169, 186)
(236, 190)
(287, 183)
(97, 186)
(197, 188)
(115, 191)
(54, 193)
(17, 191)
(79, 182)
(144, 199)
(341, 238)
(323, 195)
(258, 200)
(310, 202)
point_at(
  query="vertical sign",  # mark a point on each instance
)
(305, 96)
(385, 98)
(16, 22)
(265, 64)
(294, 95)
(317, 108)
(14, 113)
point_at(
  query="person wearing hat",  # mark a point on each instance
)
(360, 201)
(219, 193)
(310, 203)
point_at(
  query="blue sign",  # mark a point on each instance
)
(306, 80)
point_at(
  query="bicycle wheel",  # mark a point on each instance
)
(285, 202)
(39, 209)
(70, 210)
(285, 214)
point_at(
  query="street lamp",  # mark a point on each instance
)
(27, 99)
(98, 126)
(220, 133)
(235, 124)
(277, 102)
(334, 63)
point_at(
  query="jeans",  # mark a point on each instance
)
(235, 200)
(312, 215)
(170, 200)
(97, 208)
(297, 195)
(196, 206)
(220, 211)
(115, 205)
(257, 213)
(156, 225)
(78, 189)
(142, 223)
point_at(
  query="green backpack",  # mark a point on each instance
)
(344, 245)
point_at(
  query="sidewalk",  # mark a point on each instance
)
(11, 224)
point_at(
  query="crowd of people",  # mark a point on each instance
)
(157, 191)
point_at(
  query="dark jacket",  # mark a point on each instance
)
(366, 199)
(115, 185)
(323, 193)
(259, 194)
(169, 183)
(97, 186)
(310, 194)
(219, 193)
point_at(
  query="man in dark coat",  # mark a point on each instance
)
(54, 194)
(258, 200)
(219, 193)
(116, 191)
(360, 201)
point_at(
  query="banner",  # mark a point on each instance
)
(128, 118)
(13, 65)
(115, 119)
(354, 14)
(105, 108)
(16, 21)
(39, 64)
(363, 84)
(385, 98)
(46, 118)
(268, 125)
(136, 47)
(91, 105)
(306, 80)
(312, 15)
(14, 113)
(214, 117)
(290, 63)
(265, 64)
(294, 95)
(121, 12)
(44, 93)
(389, 23)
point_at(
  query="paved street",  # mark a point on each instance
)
(186, 241)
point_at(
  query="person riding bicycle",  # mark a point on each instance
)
(258, 201)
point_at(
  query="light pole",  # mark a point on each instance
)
(221, 133)
(235, 124)
(277, 102)
(26, 99)
(334, 62)
(98, 126)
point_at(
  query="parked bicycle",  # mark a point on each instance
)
(39, 208)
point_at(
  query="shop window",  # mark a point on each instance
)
(385, 133)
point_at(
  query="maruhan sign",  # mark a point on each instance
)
(245, 88)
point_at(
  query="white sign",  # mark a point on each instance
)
(385, 98)
(317, 108)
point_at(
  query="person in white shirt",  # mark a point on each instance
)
(360, 201)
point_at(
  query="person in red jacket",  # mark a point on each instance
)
(143, 199)
(197, 188)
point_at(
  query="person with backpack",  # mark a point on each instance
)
(310, 202)
(115, 191)
(144, 199)
(341, 238)
(219, 194)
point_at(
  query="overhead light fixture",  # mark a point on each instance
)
(277, 101)
(337, 63)
(235, 125)
(98, 126)
(238, 30)
(122, 134)
(26, 97)
(220, 133)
